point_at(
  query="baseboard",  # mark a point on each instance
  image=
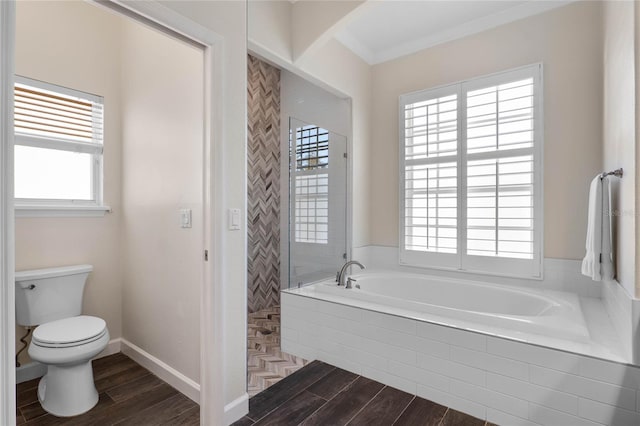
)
(236, 409)
(33, 370)
(113, 347)
(30, 371)
(167, 373)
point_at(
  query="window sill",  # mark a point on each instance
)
(41, 210)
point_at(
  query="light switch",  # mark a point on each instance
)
(185, 218)
(234, 219)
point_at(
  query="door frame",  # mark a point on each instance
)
(212, 288)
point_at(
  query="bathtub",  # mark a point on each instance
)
(512, 312)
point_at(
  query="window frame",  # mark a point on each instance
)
(43, 207)
(461, 261)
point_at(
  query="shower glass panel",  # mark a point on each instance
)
(317, 202)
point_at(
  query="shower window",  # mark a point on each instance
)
(471, 162)
(59, 146)
(317, 197)
(311, 205)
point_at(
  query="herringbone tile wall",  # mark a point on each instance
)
(263, 192)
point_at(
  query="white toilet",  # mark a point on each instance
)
(64, 340)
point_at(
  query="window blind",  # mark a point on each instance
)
(470, 175)
(430, 134)
(71, 116)
(500, 209)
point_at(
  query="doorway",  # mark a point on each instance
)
(210, 303)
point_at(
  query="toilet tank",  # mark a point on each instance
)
(44, 295)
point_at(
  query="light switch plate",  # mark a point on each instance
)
(234, 219)
(185, 218)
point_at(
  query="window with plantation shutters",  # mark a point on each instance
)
(58, 145)
(471, 175)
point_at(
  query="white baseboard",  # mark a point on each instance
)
(30, 371)
(167, 373)
(33, 370)
(113, 347)
(236, 409)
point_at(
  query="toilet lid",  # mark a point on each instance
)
(69, 330)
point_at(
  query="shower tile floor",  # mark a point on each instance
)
(267, 364)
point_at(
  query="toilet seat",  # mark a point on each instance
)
(69, 332)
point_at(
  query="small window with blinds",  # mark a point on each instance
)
(58, 145)
(471, 175)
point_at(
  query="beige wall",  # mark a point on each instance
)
(77, 46)
(568, 42)
(162, 158)
(619, 142)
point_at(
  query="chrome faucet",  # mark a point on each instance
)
(342, 275)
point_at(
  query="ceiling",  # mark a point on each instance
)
(381, 30)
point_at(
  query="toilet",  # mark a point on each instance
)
(64, 340)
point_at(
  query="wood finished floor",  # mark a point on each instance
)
(320, 394)
(129, 395)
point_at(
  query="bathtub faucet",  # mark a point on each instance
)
(342, 275)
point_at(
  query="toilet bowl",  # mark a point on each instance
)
(64, 340)
(67, 346)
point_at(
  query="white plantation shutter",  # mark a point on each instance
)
(471, 175)
(59, 136)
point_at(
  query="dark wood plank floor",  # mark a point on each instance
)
(320, 394)
(129, 395)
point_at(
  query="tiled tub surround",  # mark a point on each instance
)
(493, 378)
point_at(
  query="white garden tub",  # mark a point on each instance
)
(488, 308)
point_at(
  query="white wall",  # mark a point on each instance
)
(75, 44)
(619, 128)
(162, 134)
(568, 42)
(228, 19)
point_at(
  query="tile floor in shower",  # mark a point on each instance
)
(267, 364)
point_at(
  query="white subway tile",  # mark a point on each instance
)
(533, 393)
(607, 414)
(392, 380)
(300, 302)
(338, 336)
(469, 407)
(340, 362)
(288, 334)
(341, 311)
(364, 358)
(580, 386)
(537, 355)
(431, 347)
(610, 372)
(299, 350)
(497, 400)
(494, 363)
(388, 351)
(420, 376)
(433, 394)
(448, 368)
(549, 417)
(499, 418)
(407, 341)
(452, 336)
(392, 322)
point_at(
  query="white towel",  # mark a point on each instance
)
(597, 263)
